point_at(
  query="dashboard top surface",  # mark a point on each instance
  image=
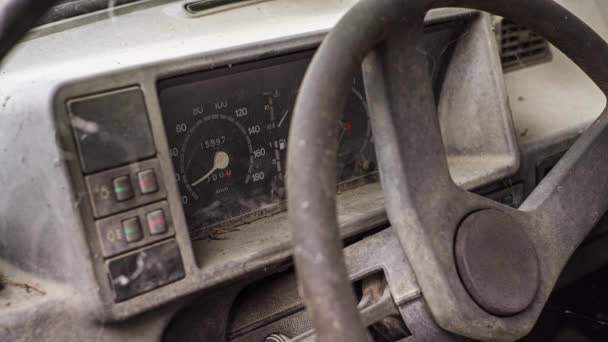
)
(161, 30)
(157, 31)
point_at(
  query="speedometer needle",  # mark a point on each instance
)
(220, 162)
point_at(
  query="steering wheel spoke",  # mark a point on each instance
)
(571, 199)
(405, 124)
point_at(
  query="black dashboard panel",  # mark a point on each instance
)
(228, 128)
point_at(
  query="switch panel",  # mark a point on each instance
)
(133, 229)
(112, 191)
(136, 246)
(145, 269)
(111, 129)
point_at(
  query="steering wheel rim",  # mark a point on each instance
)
(16, 18)
(548, 219)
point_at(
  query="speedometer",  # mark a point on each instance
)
(216, 157)
(222, 159)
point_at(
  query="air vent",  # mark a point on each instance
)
(520, 47)
(205, 7)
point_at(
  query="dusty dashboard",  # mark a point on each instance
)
(228, 129)
(179, 168)
(123, 229)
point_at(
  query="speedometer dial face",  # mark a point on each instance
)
(223, 166)
(221, 157)
(216, 158)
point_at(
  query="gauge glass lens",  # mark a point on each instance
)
(228, 132)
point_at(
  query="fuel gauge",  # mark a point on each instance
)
(355, 151)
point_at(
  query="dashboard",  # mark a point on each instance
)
(175, 165)
(157, 172)
(182, 175)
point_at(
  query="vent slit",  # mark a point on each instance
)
(520, 47)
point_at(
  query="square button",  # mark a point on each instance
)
(122, 188)
(156, 222)
(147, 181)
(132, 229)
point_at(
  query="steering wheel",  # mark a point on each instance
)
(485, 270)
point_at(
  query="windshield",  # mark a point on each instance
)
(65, 9)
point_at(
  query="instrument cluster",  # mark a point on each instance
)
(228, 132)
